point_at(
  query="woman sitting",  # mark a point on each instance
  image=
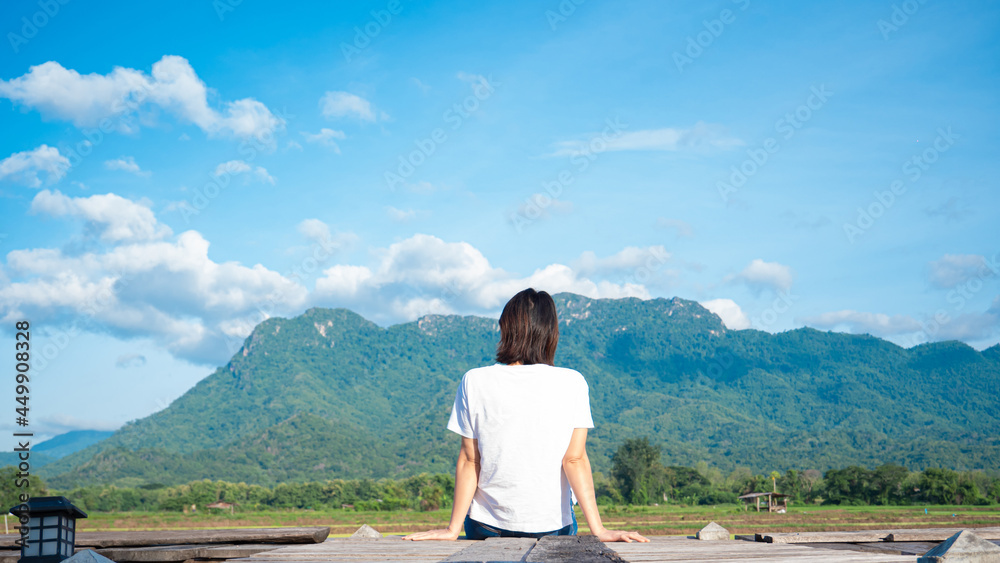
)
(524, 426)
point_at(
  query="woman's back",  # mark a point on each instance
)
(523, 417)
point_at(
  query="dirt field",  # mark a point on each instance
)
(663, 520)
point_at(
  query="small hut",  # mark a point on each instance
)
(775, 502)
(222, 505)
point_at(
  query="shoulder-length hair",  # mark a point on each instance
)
(529, 329)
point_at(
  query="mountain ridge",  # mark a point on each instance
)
(667, 368)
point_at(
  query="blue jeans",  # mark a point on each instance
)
(476, 530)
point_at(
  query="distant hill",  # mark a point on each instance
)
(330, 394)
(57, 447)
(70, 442)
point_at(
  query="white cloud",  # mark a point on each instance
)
(730, 313)
(319, 233)
(130, 360)
(978, 329)
(340, 104)
(627, 261)
(115, 218)
(953, 270)
(23, 167)
(237, 167)
(173, 86)
(671, 139)
(682, 228)
(424, 274)
(400, 215)
(171, 292)
(760, 274)
(325, 137)
(127, 164)
(878, 324)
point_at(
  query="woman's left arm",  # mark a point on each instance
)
(466, 482)
(576, 464)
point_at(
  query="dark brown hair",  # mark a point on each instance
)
(529, 329)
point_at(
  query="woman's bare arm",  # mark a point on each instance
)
(466, 482)
(576, 464)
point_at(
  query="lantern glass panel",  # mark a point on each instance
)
(30, 550)
(49, 547)
(70, 535)
(33, 531)
(50, 520)
(71, 522)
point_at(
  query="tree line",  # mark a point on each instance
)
(637, 477)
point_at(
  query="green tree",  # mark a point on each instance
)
(636, 467)
(939, 486)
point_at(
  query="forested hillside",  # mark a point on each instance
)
(329, 394)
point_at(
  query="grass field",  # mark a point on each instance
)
(653, 520)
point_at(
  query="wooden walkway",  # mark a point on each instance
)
(660, 548)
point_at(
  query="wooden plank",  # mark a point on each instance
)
(233, 551)
(152, 554)
(911, 547)
(10, 555)
(940, 534)
(860, 536)
(876, 547)
(579, 549)
(218, 535)
(494, 549)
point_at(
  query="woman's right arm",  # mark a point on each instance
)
(466, 482)
(576, 465)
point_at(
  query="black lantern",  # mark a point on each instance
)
(51, 524)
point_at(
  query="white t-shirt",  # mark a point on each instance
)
(523, 417)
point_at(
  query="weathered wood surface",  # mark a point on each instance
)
(179, 537)
(910, 547)
(390, 548)
(667, 548)
(10, 555)
(570, 549)
(234, 551)
(860, 536)
(494, 549)
(661, 548)
(182, 552)
(155, 553)
(941, 534)
(876, 547)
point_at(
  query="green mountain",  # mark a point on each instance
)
(329, 394)
(70, 442)
(57, 447)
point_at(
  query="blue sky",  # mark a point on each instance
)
(172, 173)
